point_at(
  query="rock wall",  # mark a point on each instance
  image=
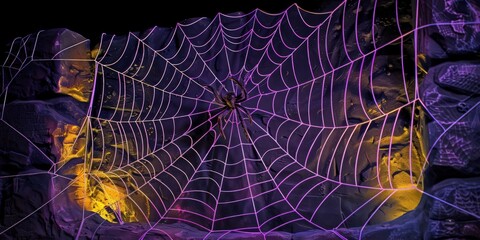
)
(46, 93)
(450, 93)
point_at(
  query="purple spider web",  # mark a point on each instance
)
(292, 172)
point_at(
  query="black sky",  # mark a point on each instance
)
(91, 19)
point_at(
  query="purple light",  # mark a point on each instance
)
(335, 143)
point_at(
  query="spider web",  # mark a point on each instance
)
(296, 159)
(329, 146)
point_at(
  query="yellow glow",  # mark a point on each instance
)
(69, 142)
(75, 80)
(94, 53)
(400, 173)
(94, 190)
(97, 192)
(422, 60)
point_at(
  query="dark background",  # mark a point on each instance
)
(91, 19)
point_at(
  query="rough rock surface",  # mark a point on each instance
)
(43, 95)
(450, 94)
(454, 210)
(454, 27)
